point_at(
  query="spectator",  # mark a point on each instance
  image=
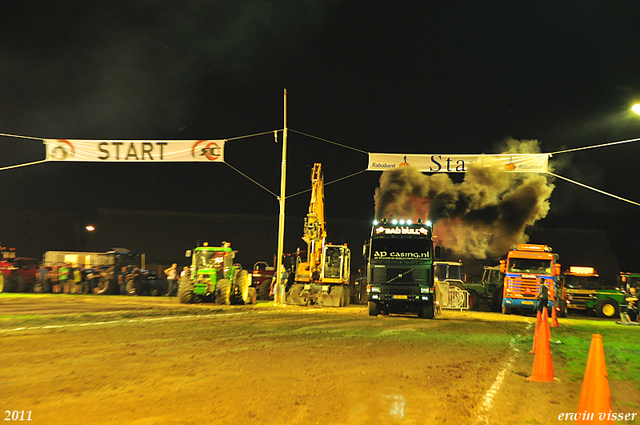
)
(53, 278)
(631, 312)
(63, 277)
(112, 282)
(77, 279)
(122, 280)
(139, 283)
(543, 296)
(172, 280)
(43, 280)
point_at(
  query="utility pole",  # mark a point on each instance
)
(279, 295)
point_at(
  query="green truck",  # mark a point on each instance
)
(214, 277)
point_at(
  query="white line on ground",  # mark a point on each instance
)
(111, 322)
(487, 401)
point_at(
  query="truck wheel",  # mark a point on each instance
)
(607, 308)
(474, 300)
(130, 287)
(506, 310)
(264, 289)
(185, 291)
(496, 298)
(223, 289)
(563, 309)
(426, 311)
(1, 283)
(374, 310)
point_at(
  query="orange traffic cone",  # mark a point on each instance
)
(595, 398)
(554, 318)
(542, 364)
(535, 334)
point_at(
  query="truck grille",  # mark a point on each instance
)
(399, 275)
(523, 287)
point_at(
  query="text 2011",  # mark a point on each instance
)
(17, 415)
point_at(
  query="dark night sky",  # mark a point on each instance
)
(395, 76)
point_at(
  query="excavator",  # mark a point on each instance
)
(324, 277)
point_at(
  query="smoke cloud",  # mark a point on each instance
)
(482, 216)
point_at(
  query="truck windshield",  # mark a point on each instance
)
(529, 265)
(400, 249)
(582, 282)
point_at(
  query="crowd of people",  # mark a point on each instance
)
(98, 279)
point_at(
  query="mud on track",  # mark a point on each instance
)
(126, 360)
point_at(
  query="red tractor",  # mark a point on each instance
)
(17, 274)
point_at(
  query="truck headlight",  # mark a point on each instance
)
(375, 289)
(425, 289)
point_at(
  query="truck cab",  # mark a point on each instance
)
(577, 286)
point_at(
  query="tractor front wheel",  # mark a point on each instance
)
(607, 308)
(185, 291)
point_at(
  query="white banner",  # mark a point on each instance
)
(135, 150)
(455, 163)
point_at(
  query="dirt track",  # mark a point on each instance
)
(154, 361)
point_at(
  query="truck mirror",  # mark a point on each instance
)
(187, 253)
(437, 252)
(558, 269)
(365, 250)
(503, 266)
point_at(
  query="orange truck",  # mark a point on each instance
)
(525, 264)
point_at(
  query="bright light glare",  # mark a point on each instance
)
(636, 108)
(90, 228)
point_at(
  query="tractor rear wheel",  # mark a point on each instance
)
(264, 289)
(240, 292)
(222, 292)
(9, 284)
(185, 291)
(474, 300)
(496, 298)
(103, 287)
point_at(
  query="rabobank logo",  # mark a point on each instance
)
(61, 149)
(382, 165)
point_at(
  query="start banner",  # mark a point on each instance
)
(455, 163)
(135, 150)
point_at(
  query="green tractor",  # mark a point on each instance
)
(609, 302)
(215, 278)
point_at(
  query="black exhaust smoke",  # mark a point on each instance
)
(482, 216)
